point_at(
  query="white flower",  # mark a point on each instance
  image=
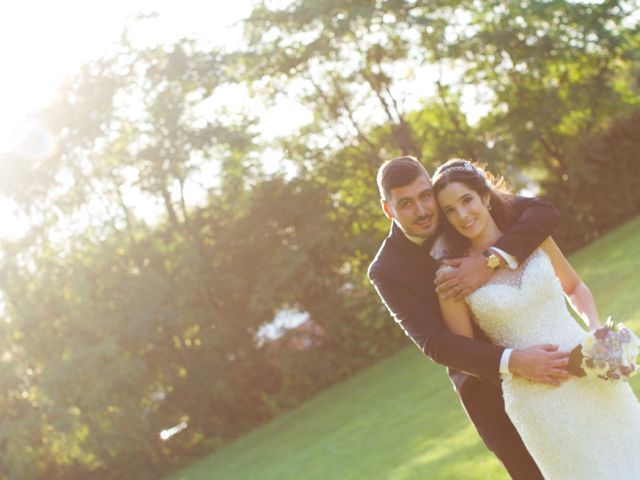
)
(588, 342)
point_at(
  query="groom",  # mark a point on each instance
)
(403, 274)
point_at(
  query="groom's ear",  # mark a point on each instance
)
(386, 208)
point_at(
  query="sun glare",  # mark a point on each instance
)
(41, 43)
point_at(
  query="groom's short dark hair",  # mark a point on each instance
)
(398, 172)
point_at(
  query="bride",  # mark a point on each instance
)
(584, 428)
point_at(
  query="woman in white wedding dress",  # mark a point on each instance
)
(584, 429)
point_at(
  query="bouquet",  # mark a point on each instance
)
(609, 353)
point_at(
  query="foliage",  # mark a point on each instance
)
(599, 190)
(159, 248)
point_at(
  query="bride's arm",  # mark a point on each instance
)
(577, 292)
(456, 315)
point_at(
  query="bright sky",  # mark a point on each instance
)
(43, 41)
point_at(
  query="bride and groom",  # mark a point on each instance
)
(510, 364)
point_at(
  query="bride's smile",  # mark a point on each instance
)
(466, 210)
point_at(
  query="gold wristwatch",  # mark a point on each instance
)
(493, 260)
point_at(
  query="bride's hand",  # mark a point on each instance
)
(471, 273)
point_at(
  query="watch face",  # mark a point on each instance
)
(492, 260)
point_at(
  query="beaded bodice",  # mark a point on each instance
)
(525, 307)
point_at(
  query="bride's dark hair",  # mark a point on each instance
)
(483, 183)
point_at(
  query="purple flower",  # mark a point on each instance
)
(625, 336)
(602, 333)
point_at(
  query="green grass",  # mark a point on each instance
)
(400, 419)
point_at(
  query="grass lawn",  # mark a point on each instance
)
(400, 419)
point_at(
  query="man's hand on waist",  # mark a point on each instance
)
(540, 363)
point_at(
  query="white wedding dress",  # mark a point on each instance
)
(585, 429)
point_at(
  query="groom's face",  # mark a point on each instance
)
(413, 208)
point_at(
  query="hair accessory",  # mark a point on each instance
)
(466, 166)
(463, 166)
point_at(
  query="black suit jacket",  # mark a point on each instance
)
(403, 274)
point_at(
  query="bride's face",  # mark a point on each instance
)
(464, 209)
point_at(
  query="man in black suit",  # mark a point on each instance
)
(403, 274)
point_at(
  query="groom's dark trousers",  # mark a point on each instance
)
(403, 274)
